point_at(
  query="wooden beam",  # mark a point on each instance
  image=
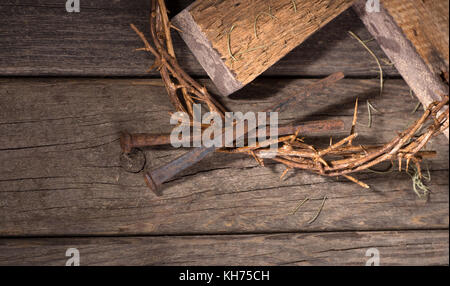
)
(426, 25)
(408, 55)
(237, 41)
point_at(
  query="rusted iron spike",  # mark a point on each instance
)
(157, 177)
(130, 141)
(161, 175)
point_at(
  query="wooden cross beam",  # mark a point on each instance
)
(235, 41)
(414, 35)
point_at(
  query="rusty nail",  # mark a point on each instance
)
(130, 141)
(159, 176)
(163, 174)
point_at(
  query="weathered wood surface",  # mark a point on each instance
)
(410, 56)
(334, 248)
(41, 38)
(60, 172)
(425, 24)
(237, 41)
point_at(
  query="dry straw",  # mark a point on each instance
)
(374, 56)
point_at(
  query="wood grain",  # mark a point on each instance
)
(334, 248)
(412, 65)
(237, 41)
(40, 38)
(425, 24)
(60, 171)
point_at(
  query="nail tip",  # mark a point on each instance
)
(151, 184)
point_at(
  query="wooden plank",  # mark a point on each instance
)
(60, 171)
(41, 38)
(426, 25)
(408, 56)
(335, 248)
(256, 43)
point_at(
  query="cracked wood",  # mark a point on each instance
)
(61, 174)
(334, 248)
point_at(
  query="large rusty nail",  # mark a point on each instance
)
(139, 140)
(156, 178)
(159, 176)
(163, 174)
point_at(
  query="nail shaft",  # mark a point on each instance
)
(163, 174)
(140, 140)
